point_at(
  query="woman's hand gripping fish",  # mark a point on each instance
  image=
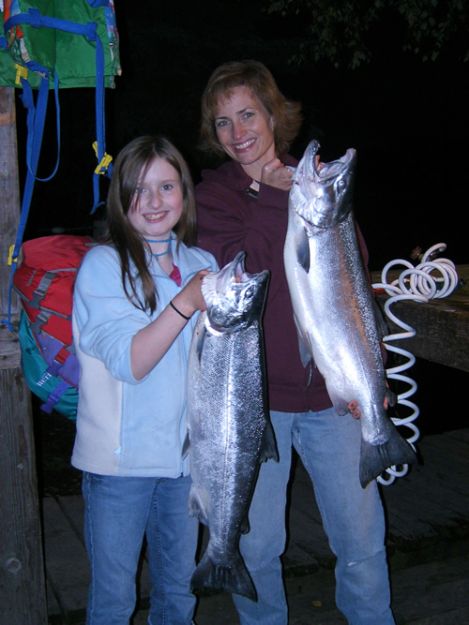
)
(230, 432)
(334, 307)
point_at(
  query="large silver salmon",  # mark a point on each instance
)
(334, 307)
(229, 428)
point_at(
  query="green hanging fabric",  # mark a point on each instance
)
(70, 56)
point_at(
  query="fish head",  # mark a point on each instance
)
(234, 297)
(322, 192)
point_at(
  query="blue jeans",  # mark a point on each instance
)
(119, 513)
(353, 519)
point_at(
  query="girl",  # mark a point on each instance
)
(134, 302)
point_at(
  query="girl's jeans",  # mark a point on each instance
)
(119, 512)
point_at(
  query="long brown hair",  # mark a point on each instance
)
(254, 75)
(130, 166)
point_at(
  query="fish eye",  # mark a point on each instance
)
(249, 292)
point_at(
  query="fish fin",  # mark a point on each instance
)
(302, 250)
(232, 577)
(268, 449)
(186, 445)
(374, 459)
(200, 342)
(304, 348)
(245, 528)
(196, 508)
(380, 319)
(391, 397)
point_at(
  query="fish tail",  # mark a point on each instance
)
(232, 577)
(374, 459)
(268, 449)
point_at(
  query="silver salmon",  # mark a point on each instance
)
(334, 307)
(230, 432)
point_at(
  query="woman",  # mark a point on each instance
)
(242, 205)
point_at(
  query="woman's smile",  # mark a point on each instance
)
(245, 130)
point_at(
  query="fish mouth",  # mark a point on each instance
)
(322, 191)
(236, 271)
(236, 268)
(316, 170)
(232, 273)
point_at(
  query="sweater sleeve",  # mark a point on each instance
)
(106, 320)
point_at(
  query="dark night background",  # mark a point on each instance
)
(406, 118)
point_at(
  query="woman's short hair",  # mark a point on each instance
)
(254, 75)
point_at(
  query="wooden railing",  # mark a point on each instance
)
(22, 578)
(441, 325)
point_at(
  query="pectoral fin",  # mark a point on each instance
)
(304, 347)
(302, 249)
(200, 342)
(196, 508)
(381, 323)
(186, 445)
(268, 449)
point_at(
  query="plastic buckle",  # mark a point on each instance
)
(10, 258)
(103, 165)
(21, 72)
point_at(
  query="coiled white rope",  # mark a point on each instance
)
(432, 278)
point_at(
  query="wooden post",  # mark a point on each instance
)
(22, 578)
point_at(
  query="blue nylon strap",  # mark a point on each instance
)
(98, 3)
(36, 115)
(35, 124)
(100, 120)
(33, 146)
(34, 18)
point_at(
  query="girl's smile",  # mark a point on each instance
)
(158, 202)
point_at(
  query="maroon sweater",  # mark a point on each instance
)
(230, 221)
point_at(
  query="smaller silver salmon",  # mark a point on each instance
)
(230, 432)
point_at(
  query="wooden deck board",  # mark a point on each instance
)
(441, 325)
(459, 435)
(66, 565)
(449, 584)
(424, 500)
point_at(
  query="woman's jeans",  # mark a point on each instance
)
(119, 512)
(353, 518)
